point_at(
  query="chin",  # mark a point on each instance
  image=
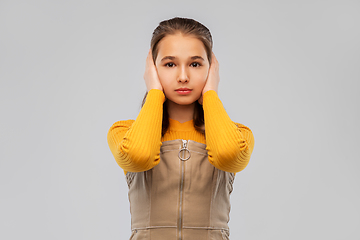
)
(182, 102)
(187, 103)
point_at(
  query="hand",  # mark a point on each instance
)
(213, 79)
(151, 77)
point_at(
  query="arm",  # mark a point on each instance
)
(136, 146)
(229, 144)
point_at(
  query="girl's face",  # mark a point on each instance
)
(182, 63)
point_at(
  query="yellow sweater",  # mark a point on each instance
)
(136, 144)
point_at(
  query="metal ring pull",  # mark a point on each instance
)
(183, 149)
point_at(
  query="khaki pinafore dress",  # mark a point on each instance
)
(184, 197)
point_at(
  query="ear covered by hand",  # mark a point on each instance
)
(151, 76)
(213, 79)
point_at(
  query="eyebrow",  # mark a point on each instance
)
(172, 58)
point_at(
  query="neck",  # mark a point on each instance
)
(181, 113)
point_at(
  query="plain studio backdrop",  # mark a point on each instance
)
(290, 70)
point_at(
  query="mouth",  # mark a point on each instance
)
(183, 91)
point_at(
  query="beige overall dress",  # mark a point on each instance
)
(184, 197)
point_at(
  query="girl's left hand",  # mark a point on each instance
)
(213, 79)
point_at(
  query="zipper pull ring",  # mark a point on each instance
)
(184, 150)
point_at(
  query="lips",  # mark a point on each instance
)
(183, 91)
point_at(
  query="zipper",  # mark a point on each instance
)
(182, 158)
(183, 150)
(184, 143)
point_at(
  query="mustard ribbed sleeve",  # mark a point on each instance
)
(229, 144)
(136, 147)
(136, 144)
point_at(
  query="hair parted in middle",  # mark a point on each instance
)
(187, 27)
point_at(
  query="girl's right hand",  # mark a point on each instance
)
(151, 76)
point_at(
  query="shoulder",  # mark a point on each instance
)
(246, 133)
(239, 125)
(123, 124)
(119, 129)
(242, 127)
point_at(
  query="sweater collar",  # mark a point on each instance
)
(185, 126)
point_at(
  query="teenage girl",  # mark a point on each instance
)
(181, 153)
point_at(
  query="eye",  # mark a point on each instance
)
(195, 64)
(170, 64)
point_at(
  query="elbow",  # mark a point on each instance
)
(242, 163)
(232, 160)
(136, 161)
(234, 156)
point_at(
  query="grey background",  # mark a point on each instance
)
(70, 69)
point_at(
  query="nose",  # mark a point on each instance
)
(183, 74)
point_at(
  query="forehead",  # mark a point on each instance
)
(181, 46)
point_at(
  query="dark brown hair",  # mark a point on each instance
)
(186, 27)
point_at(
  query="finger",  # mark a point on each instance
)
(151, 59)
(215, 59)
(150, 53)
(215, 64)
(149, 56)
(147, 60)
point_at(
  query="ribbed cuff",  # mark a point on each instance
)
(157, 94)
(209, 93)
(213, 107)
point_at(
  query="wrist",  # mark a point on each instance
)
(157, 89)
(209, 89)
(157, 92)
(154, 87)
